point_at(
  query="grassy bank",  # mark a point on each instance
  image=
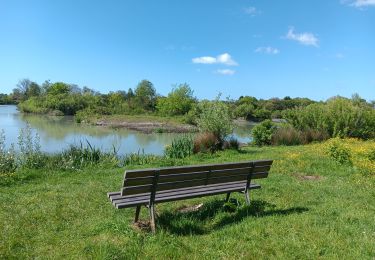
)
(309, 207)
(142, 123)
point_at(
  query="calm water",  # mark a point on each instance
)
(57, 133)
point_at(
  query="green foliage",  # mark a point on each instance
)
(287, 135)
(245, 110)
(262, 114)
(339, 153)
(178, 102)
(79, 157)
(139, 159)
(6, 99)
(371, 155)
(8, 162)
(339, 117)
(145, 95)
(215, 117)
(180, 148)
(58, 88)
(30, 155)
(262, 133)
(259, 110)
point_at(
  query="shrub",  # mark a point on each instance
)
(80, 156)
(287, 135)
(338, 117)
(339, 153)
(206, 142)
(262, 133)
(244, 110)
(8, 163)
(178, 102)
(180, 148)
(30, 155)
(314, 135)
(215, 118)
(232, 143)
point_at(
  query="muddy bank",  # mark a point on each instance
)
(149, 127)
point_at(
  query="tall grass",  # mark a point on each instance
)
(180, 148)
(288, 135)
(139, 158)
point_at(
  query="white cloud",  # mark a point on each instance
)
(224, 58)
(205, 60)
(359, 3)
(305, 38)
(253, 11)
(267, 50)
(225, 71)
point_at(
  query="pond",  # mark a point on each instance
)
(58, 133)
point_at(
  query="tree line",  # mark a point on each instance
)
(61, 98)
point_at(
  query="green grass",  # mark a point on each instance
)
(67, 214)
(175, 120)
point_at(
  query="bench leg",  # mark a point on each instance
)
(152, 218)
(227, 198)
(247, 197)
(137, 210)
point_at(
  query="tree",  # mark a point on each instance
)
(145, 95)
(178, 102)
(59, 88)
(215, 118)
(130, 94)
(245, 110)
(33, 90)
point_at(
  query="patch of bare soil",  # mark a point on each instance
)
(142, 225)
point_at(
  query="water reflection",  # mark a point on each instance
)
(57, 133)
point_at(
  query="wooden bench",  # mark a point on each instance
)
(150, 186)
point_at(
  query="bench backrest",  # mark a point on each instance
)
(153, 180)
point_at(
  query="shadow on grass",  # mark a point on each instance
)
(213, 215)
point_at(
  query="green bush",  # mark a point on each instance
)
(178, 102)
(262, 133)
(180, 148)
(215, 117)
(80, 156)
(8, 162)
(30, 155)
(339, 153)
(338, 117)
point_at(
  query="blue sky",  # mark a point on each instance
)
(314, 49)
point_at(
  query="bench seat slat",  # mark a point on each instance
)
(124, 201)
(222, 177)
(196, 168)
(117, 195)
(182, 190)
